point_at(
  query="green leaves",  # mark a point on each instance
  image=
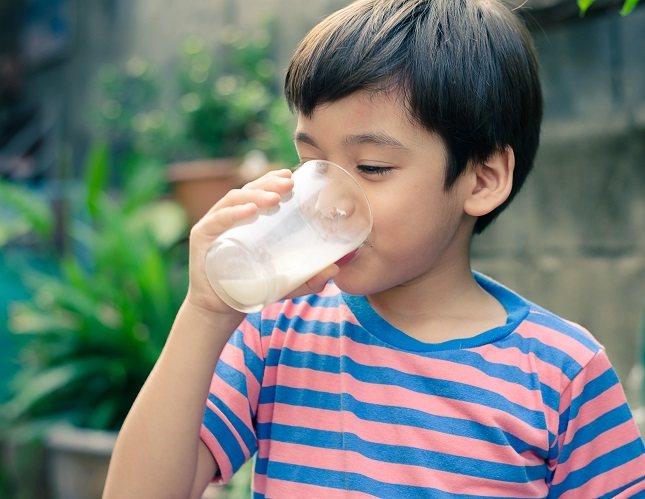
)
(22, 211)
(96, 171)
(583, 5)
(627, 8)
(94, 327)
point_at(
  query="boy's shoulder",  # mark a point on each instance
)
(549, 336)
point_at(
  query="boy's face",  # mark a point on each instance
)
(419, 228)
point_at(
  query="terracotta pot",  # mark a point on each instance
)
(197, 185)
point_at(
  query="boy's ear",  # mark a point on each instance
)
(491, 183)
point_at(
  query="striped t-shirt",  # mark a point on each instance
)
(335, 402)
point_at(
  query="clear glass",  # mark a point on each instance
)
(259, 261)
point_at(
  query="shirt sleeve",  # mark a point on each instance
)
(600, 452)
(228, 427)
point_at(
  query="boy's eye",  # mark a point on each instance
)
(374, 170)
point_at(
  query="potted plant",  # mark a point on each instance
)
(222, 105)
(92, 329)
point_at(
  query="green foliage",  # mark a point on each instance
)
(217, 103)
(93, 329)
(23, 211)
(627, 8)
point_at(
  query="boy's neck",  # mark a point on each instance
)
(442, 305)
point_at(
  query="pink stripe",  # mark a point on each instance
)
(596, 367)
(278, 337)
(306, 312)
(389, 434)
(528, 363)
(599, 446)
(550, 376)
(252, 338)
(230, 426)
(234, 400)
(221, 458)
(611, 480)
(558, 340)
(401, 474)
(272, 311)
(330, 290)
(593, 409)
(233, 356)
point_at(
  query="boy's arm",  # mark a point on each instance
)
(158, 450)
(600, 452)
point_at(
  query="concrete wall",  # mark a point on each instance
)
(574, 240)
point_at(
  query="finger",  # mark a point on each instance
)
(217, 221)
(261, 198)
(275, 181)
(317, 283)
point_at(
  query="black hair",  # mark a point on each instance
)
(466, 69)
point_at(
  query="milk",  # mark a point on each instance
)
(293, 266)
(263, 259)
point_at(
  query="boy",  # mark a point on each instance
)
(408, 375)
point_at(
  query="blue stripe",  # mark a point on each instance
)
(609, 461)
(319, 301)
(300, 397)
(551, 355)
(252, 362)
(355, 482)
(225, 438)
(420, 384)
(248, 436)
(231, 376)
(594, 429)
(615, 492)
(254, 320)
(544, 318)
(310, 360)
(593, 389)
(300, 326)
(398, 454)
(403, 416)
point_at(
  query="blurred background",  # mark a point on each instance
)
(122, 121)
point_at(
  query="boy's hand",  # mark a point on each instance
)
(237, 205)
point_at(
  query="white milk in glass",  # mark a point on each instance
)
(286, 264)
(262, 260)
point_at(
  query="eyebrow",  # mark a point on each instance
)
(305, 139)
(374, 138)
